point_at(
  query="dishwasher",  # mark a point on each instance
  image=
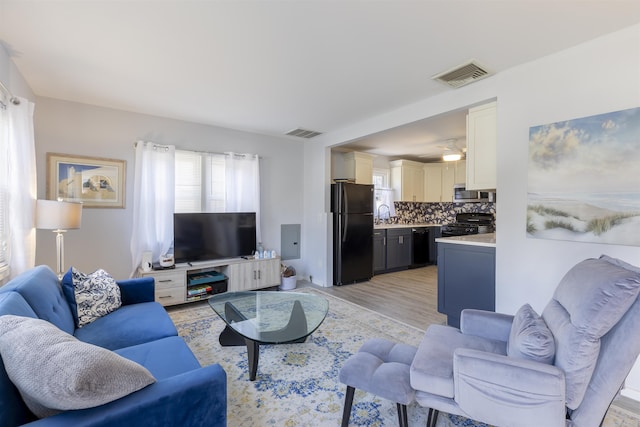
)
(419, 247)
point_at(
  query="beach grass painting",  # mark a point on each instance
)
(584, 179)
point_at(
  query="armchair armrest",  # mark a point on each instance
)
(194, 398)
(486, 324)
(498, 389)
(137, 290)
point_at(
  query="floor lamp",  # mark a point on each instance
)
(58, 216)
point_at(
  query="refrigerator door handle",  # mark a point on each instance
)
(345, 227)
(345, 199)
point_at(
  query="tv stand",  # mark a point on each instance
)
(177, 285)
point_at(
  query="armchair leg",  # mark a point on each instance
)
(348, 401)
(402, 415)
(432, 418)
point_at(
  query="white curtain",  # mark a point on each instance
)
(19, 175)
(153, 201)
(242, 182)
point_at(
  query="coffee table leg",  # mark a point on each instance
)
(253, 354)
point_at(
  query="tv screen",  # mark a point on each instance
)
(209, 236)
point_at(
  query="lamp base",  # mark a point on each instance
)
(60, 251)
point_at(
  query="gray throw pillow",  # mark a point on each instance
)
(55, 372)
(530, 338)
(96, 294)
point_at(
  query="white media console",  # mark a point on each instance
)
(199, 280)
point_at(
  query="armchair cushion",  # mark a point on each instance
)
(70, 374)
(432, 368)
(530, 337)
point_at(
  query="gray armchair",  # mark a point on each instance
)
(563, 368)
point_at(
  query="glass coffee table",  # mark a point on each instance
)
(267, 317)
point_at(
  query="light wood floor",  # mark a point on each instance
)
(410, 296)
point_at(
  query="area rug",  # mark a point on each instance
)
(297, 384)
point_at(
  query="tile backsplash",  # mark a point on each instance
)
(436, 213)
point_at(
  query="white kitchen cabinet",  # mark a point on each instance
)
(407, 180)
(432, 182)
(439, 180)
(481, 147)
(359, 166)
(452, 173)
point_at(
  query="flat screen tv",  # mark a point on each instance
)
(210, 236)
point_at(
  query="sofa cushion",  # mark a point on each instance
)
(591, 298)
(432, 368)
(55, 372)
(530, 338)
(129, 325)
(41, 289)
(93, 295)
(164, 358)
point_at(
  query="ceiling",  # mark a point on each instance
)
(270, 66)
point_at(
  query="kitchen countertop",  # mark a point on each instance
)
(383, 226)
(485, 239)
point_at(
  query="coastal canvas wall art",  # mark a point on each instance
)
(584, 179)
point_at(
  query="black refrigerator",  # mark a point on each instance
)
(352, 207)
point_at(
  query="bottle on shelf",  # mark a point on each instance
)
(259, 250)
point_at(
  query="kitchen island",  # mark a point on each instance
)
(466, 274)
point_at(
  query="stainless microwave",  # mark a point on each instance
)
(462, 195)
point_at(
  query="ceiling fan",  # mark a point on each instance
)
(451, 151)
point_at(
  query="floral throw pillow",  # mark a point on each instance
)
(97, 294)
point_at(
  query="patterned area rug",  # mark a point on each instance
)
(297, 384)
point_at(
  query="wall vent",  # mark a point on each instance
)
(303, 133)
(462, 75)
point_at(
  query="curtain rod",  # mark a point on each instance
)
(14, 100)
(195, 151)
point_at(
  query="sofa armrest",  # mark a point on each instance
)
(137, 290)
(486, 324)
(194, 398)
(498, 389)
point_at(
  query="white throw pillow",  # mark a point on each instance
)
(56, 372)
(97, 294)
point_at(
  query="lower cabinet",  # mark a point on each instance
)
(466, 279)
(398, 248)
(253, 274)
(391, 249)
(174, 286)
(379, 251)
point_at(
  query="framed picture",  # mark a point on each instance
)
(94, 181)
(583, 181)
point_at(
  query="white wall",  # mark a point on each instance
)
(596, 77)
(103, 240)
(11, 77)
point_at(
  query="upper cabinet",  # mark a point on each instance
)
(407, 180)
(359, 166)
(439, 180)
(481, 147)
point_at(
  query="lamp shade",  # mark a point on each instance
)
(58, 215)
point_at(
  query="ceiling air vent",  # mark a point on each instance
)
(462, 75)
(303, 133)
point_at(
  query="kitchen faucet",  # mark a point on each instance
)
(388, 213)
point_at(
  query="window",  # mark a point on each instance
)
(4, 195)
(380, 178)
(200, 182)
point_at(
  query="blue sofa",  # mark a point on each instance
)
(184, 393)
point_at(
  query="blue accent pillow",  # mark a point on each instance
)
(69, 294)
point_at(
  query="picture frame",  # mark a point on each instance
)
(96, 182)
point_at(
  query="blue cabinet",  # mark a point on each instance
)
(466, 279)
